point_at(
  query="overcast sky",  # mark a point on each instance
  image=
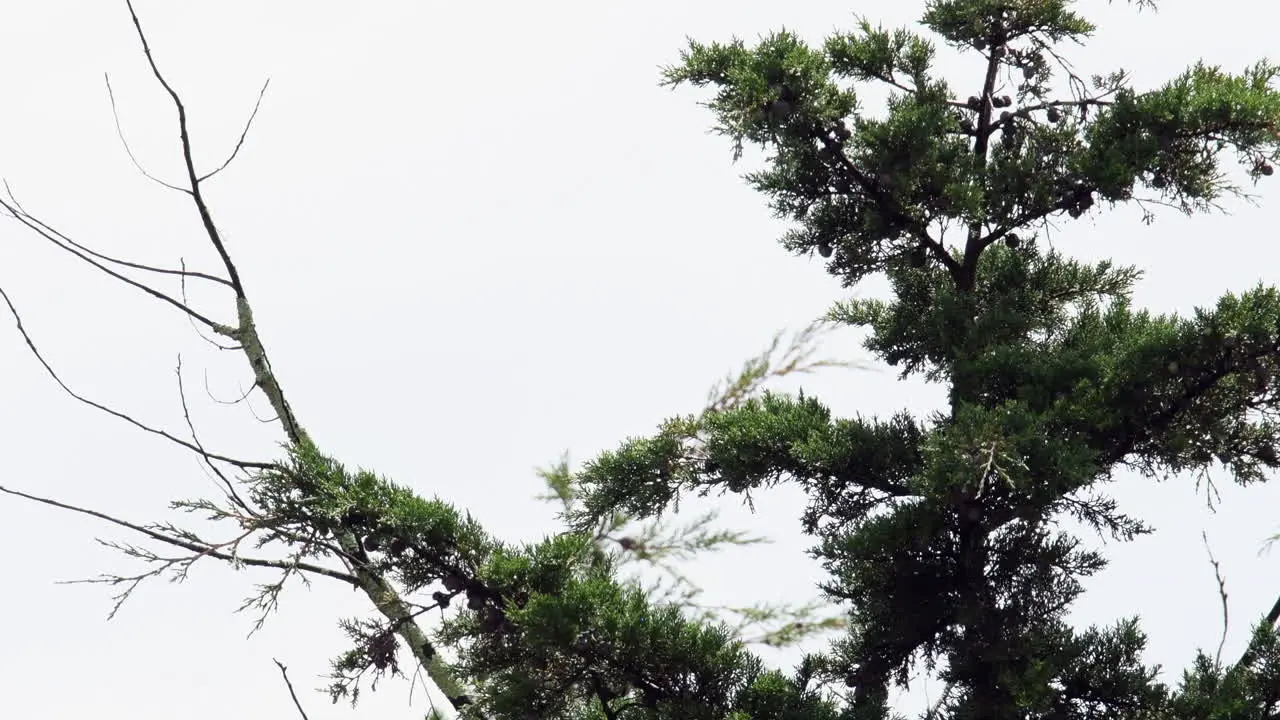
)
(476, 235)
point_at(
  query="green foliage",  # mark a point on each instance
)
(872, 189)
(952, 541)
(549, 627)
(945, 538)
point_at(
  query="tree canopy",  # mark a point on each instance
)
(953, 542)
(948, 538)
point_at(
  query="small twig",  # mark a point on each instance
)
(209, 391)
(116, 413)
(201, 548)
(129, 151)
(244, 133)
(1222, 596)
(186, 301)
(186, 414)
(284, 671)
(256, 416)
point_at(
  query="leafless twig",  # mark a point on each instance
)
(284, 671)
(205, 217)
(111, 97)
(243, 134)
(62, 241)
(203, 548)
(186, 414)
(1222, 596)
(186, 301)
(116, 413)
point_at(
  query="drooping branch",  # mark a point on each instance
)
(244, 464)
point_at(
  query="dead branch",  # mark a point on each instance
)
(195, 439)
(244, 464)
(183, 288)
(208, 391)
(1222, 596)
(244, 333)
(183, 273)
(203, 548)
(111, 97)
(284, 671)
(192, 176)
(243, 134)
(62, 241)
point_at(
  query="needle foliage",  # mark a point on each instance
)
(956, 543)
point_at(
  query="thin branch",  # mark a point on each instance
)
(203, 549)
(244, 133)
(888, 79)
(1222, 596)
(209, 391)
(116, 413)
(205, 217)
(60, 240)
(186, 414)
(194, 326)
(129, 151)
(180, 567)
(285, 673)
(183, 273)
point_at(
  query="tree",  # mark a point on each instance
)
(944, 536)
(553, 628)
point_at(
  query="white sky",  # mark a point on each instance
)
(476, 235)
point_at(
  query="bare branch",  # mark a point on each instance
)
(116, 413)
(205, 217)
(243, 396)
(284, 671)
(60, 240)
(194, 326)
(186, 414)
(245, 332)
(111, 96)
(203, 549)
(244, 133)
(184, 273)
(1222, 597)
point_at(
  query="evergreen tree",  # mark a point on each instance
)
(944, 536)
